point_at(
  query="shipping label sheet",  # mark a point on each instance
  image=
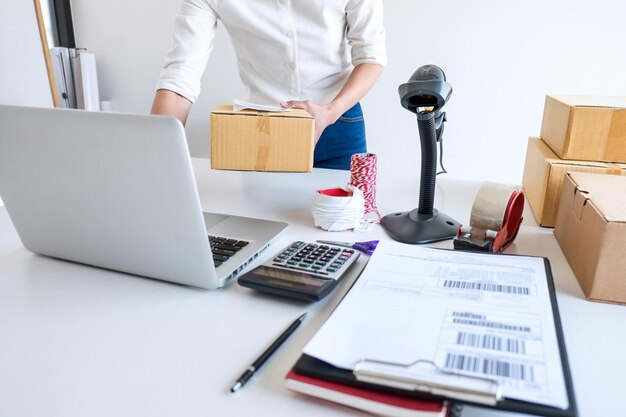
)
(487, 316)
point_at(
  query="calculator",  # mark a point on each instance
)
(306, 271)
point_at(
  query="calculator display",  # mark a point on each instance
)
(285, 277)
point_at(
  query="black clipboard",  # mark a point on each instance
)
(313, 367)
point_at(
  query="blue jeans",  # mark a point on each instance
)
(341, 140)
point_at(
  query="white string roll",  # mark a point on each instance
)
(337, 209)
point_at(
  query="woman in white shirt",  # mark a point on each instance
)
(319, 55)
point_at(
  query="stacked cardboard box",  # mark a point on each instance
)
(591, 230)
(582, 140)
(578, 133)
(544, 173)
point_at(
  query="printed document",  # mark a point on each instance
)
(239, 105)
(485, 316)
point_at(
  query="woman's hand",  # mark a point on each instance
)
(324, 115)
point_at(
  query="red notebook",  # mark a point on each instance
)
(375, 402)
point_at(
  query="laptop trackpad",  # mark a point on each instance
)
(211, 219)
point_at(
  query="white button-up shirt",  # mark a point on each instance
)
(286, 49)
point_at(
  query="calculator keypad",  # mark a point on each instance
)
(325, 261)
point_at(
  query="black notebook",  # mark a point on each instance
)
(485, 328)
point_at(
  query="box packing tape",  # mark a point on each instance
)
(490, 206)
(263, 148)
(495, 218)
(613, 169)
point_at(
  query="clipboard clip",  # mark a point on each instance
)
(425, 376)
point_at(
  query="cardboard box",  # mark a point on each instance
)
(586, 127)
(251, 140)
(543, 177)
(591, 229)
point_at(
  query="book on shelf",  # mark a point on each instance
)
(86, 80)
(76, 78)
(63, 75)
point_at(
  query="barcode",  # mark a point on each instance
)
(486, 286)
(493, 325)
(487, 341)
(490, 367)
(468, 315)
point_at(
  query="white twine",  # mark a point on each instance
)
(337, 213)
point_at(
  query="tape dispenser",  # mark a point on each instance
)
(495, 219)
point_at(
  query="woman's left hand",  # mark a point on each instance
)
(324, 115)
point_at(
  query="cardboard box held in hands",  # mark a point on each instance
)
(253, 140)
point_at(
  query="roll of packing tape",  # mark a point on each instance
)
(337, 209)
(490, 205)
(495, 218)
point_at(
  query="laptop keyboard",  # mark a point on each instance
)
(224, 248)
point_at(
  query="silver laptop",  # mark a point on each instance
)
(117, 191)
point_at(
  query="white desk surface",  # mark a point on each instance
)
(81, 341)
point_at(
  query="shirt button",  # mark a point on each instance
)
(293, 92)
(289, 34)
(292, 65)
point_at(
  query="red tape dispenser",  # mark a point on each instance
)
(495, 220)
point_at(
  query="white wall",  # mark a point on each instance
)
(502, 58)
(23, 76)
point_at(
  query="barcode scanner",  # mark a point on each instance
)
(425, 94)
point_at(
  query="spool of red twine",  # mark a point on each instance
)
(363, 176)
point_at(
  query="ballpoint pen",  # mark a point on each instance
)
(365, 247)
(265, 355)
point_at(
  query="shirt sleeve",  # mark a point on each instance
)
(194, 30)
(366, 33)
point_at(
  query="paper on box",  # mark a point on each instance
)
(591, 230)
